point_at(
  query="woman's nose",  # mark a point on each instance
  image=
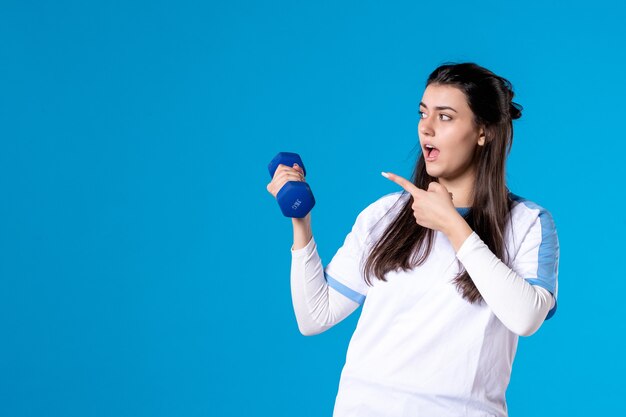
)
(425, 128)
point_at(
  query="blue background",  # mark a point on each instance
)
(144, 267)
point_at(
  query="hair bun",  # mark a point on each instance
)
(515, 110)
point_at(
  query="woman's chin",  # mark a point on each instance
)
(432, 171)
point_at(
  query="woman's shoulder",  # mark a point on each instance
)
(526, 210)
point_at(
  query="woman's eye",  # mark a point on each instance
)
(421, 116)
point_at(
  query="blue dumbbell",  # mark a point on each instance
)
(295, 198)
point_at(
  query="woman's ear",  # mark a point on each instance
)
(481, 137)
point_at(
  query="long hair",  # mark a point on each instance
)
(404, 244)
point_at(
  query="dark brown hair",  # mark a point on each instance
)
(405, 244)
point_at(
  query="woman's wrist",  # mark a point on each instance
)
(302, 231)
(457, 232)
(302, 222)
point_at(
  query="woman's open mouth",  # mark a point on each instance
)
(431, 153)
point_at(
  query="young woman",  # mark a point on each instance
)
(450, 270)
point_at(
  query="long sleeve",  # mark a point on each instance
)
(521, 306)
(317, 306)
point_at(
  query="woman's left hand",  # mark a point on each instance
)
(432, 208)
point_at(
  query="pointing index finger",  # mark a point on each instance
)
(402, 182)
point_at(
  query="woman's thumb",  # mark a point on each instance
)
(434, 186)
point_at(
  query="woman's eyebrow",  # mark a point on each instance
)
(440, 107)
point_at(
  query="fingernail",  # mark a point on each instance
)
(296, 165)
(384, 174)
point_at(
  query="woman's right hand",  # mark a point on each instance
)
(282, 175)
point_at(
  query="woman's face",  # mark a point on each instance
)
(446, 122)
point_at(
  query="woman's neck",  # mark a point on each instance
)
(462, 190)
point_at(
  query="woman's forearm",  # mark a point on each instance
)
(317, 306)
(520, 306)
